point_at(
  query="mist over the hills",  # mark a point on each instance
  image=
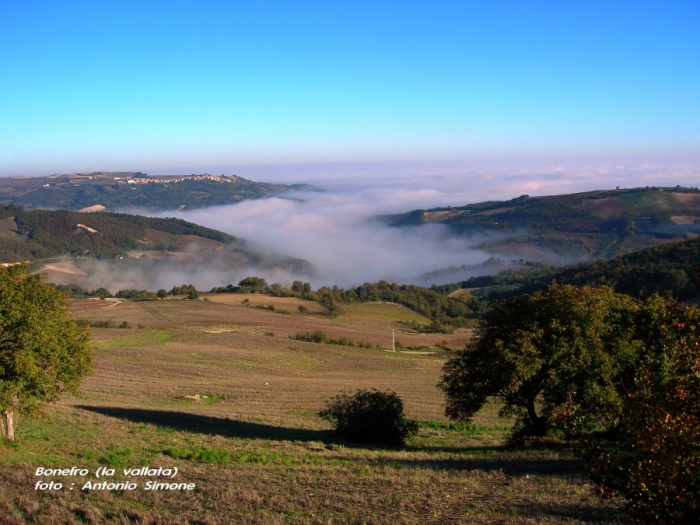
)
(334, 228)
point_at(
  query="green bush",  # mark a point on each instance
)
(318, 336)
(370, 416)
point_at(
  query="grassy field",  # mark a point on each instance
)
(646, 200)
(218, 390)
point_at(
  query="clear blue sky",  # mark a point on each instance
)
(162, 85)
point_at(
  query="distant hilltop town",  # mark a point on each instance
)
(136, 178)
(144, 179)
(112, 190)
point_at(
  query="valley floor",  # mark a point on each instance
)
(218, 389)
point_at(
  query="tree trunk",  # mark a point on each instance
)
(9, 425)
(538, 424)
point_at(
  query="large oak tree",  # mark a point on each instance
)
(549, 357)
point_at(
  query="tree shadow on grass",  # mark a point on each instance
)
(580, 513)
(199, 424)
(195, 423)
(510, 466)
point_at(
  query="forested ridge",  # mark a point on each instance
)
(669, 269)
(38, 234)
(582, 226)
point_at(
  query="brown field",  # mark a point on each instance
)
(437, 216)
(156, 238)
(218, 390)
(685, 219)
(684, 200)
(285, 304)
(497, 211)
(609, 208)
(63, 267)
(161, 255)
(62, 272)
(8, 227)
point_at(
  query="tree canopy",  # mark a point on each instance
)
(545, 355)
(43, 351)
(655, 461)
(668, 269)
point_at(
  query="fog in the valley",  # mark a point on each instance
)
(335, 230)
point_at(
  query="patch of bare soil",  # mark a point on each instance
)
(437, 216)
(64, 267)
(685, 199)
(605, 208)
(685, 219)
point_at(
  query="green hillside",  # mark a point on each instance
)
(583, 226)
(670, 269)
(37, 234)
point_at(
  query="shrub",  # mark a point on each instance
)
(370, 416)
(312, 337)
(322, 337)
(95, 324)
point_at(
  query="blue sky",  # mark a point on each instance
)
(185, 86)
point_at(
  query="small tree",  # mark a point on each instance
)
(563, 350)
(43, 352)
(102, 293)
(253, 285)
(370, 416)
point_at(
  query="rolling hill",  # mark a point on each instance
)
(562, 229)
(75, 247)
(121, 190)
(670, 269)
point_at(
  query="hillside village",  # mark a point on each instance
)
(166, 179)
(134, 178)
(119, 190)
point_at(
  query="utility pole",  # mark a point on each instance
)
(393, 340)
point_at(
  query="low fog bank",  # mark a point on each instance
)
(335, 230)
(482, 178)
(205, 272)
(336, 233)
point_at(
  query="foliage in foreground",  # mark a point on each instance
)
(560, 352)
(621, 374)
(655, 463)
(43, 352)
(370, 416)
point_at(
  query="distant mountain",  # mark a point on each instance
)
(562, 229)
(114, 191)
